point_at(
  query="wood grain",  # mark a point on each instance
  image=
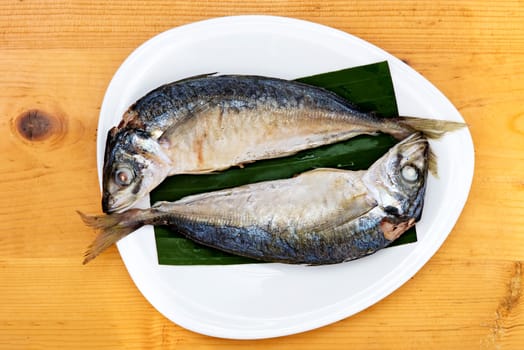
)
(58, 57)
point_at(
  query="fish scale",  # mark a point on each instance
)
(173, 101)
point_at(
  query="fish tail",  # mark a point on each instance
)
(432, 163)
(431, 128)
(112, 228)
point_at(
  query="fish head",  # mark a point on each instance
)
(134, 164)
(397, 181)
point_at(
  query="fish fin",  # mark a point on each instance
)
(113, 227)
(432, 163)
(175, 127)
(342, 218)
(431, 128)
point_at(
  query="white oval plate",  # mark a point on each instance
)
(269, 300)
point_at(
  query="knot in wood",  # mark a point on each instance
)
(36, 125)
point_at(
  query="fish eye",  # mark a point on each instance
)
(409, 173)
(124, 176)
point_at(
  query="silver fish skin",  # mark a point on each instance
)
(323, 216)
(211, 123)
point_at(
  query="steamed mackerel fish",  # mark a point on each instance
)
(211, 123)
(323, 216)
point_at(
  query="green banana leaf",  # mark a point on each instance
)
(369, 87)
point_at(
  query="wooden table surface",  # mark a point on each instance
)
(56, 60)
